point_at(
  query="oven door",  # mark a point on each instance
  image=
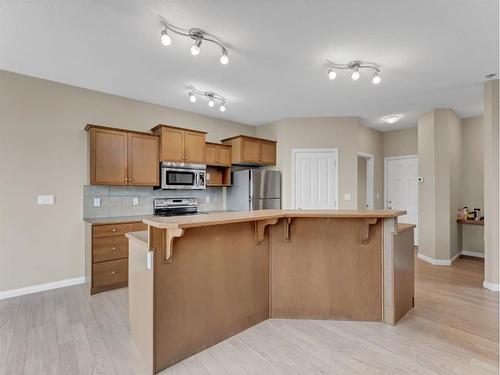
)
(179, 179)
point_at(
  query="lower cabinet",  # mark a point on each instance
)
(108, 255)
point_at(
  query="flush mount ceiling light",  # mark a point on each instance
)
(199, 36)
(355, 67)
(212, 97)
(392, 119)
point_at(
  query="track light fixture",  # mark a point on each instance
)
(355, 67)
(212, 97)
(197, 35)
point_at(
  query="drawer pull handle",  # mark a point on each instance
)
(113, 248)
(113, 272)
(113, 230)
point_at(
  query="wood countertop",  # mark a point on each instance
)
(238, 217)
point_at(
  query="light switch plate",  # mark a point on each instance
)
(97, 202)
(207, 198)
(347, 196)
(46, 199)
(135, 201)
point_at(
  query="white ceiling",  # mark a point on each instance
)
(433, 53)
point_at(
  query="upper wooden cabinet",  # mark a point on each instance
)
(217, 154)
(122, 157)
(251, 151)
(181, 145)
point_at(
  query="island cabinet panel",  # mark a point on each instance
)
(122, 157)
(325, 271)
(108, 157)
(143, 159)
(181, 145)
(251, 151)
(216, 285)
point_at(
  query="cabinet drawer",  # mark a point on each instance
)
(139, 227)
(109, 248)
(111, 230)
(109, 273)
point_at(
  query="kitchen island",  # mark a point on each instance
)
(209, 277)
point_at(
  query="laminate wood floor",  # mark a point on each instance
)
(452, 330)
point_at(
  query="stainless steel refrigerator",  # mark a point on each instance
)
(254, 189)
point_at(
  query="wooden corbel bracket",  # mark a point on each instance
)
(260, 227)
(287, 222)
(365, 228)
(170, 235)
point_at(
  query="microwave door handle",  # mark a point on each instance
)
(197, 174)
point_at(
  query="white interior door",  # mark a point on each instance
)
(315, 179)
(402, 188)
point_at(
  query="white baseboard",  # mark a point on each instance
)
(473, 254)
(491, 286)
(436, 262)
(41, 287)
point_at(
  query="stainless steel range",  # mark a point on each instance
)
(175, 206)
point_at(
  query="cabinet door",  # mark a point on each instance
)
(250, 150)
(108, 157)
(143, 160)
(224, 156)
(211, 154)
(268, 152)
(195, 147)
(172, 145)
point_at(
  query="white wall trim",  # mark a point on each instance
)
(476, 254)
(491, 286)
(437, 262)
(41, 287)
(296, 151)
(370, 176)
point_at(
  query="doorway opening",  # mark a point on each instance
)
(365, 191)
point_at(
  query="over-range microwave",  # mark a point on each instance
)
(182, 175)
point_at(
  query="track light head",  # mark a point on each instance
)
(211, 102)
(332, 74)
(222, 107)
(376, 78)
(195, 49)
(355, 74)
(165, 38)
(224, 59)
(192, 97)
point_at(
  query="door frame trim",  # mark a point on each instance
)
(296, 151)
(389, 158)
(370, 176)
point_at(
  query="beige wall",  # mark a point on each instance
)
(43, 151)
(401, 142)
(472, 183)
(491, 182)
(426, 191)
(439, 152)
(344, 133)
(362, 183)
(371, 141)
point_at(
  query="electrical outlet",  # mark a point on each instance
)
(347, 196)
(207, 198)
(135, 201)
(46, 199)
(209, 177)
(97, 202)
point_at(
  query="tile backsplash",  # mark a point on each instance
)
(118, 200)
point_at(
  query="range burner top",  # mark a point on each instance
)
(175, 206)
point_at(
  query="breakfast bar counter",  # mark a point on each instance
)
(211, 276)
